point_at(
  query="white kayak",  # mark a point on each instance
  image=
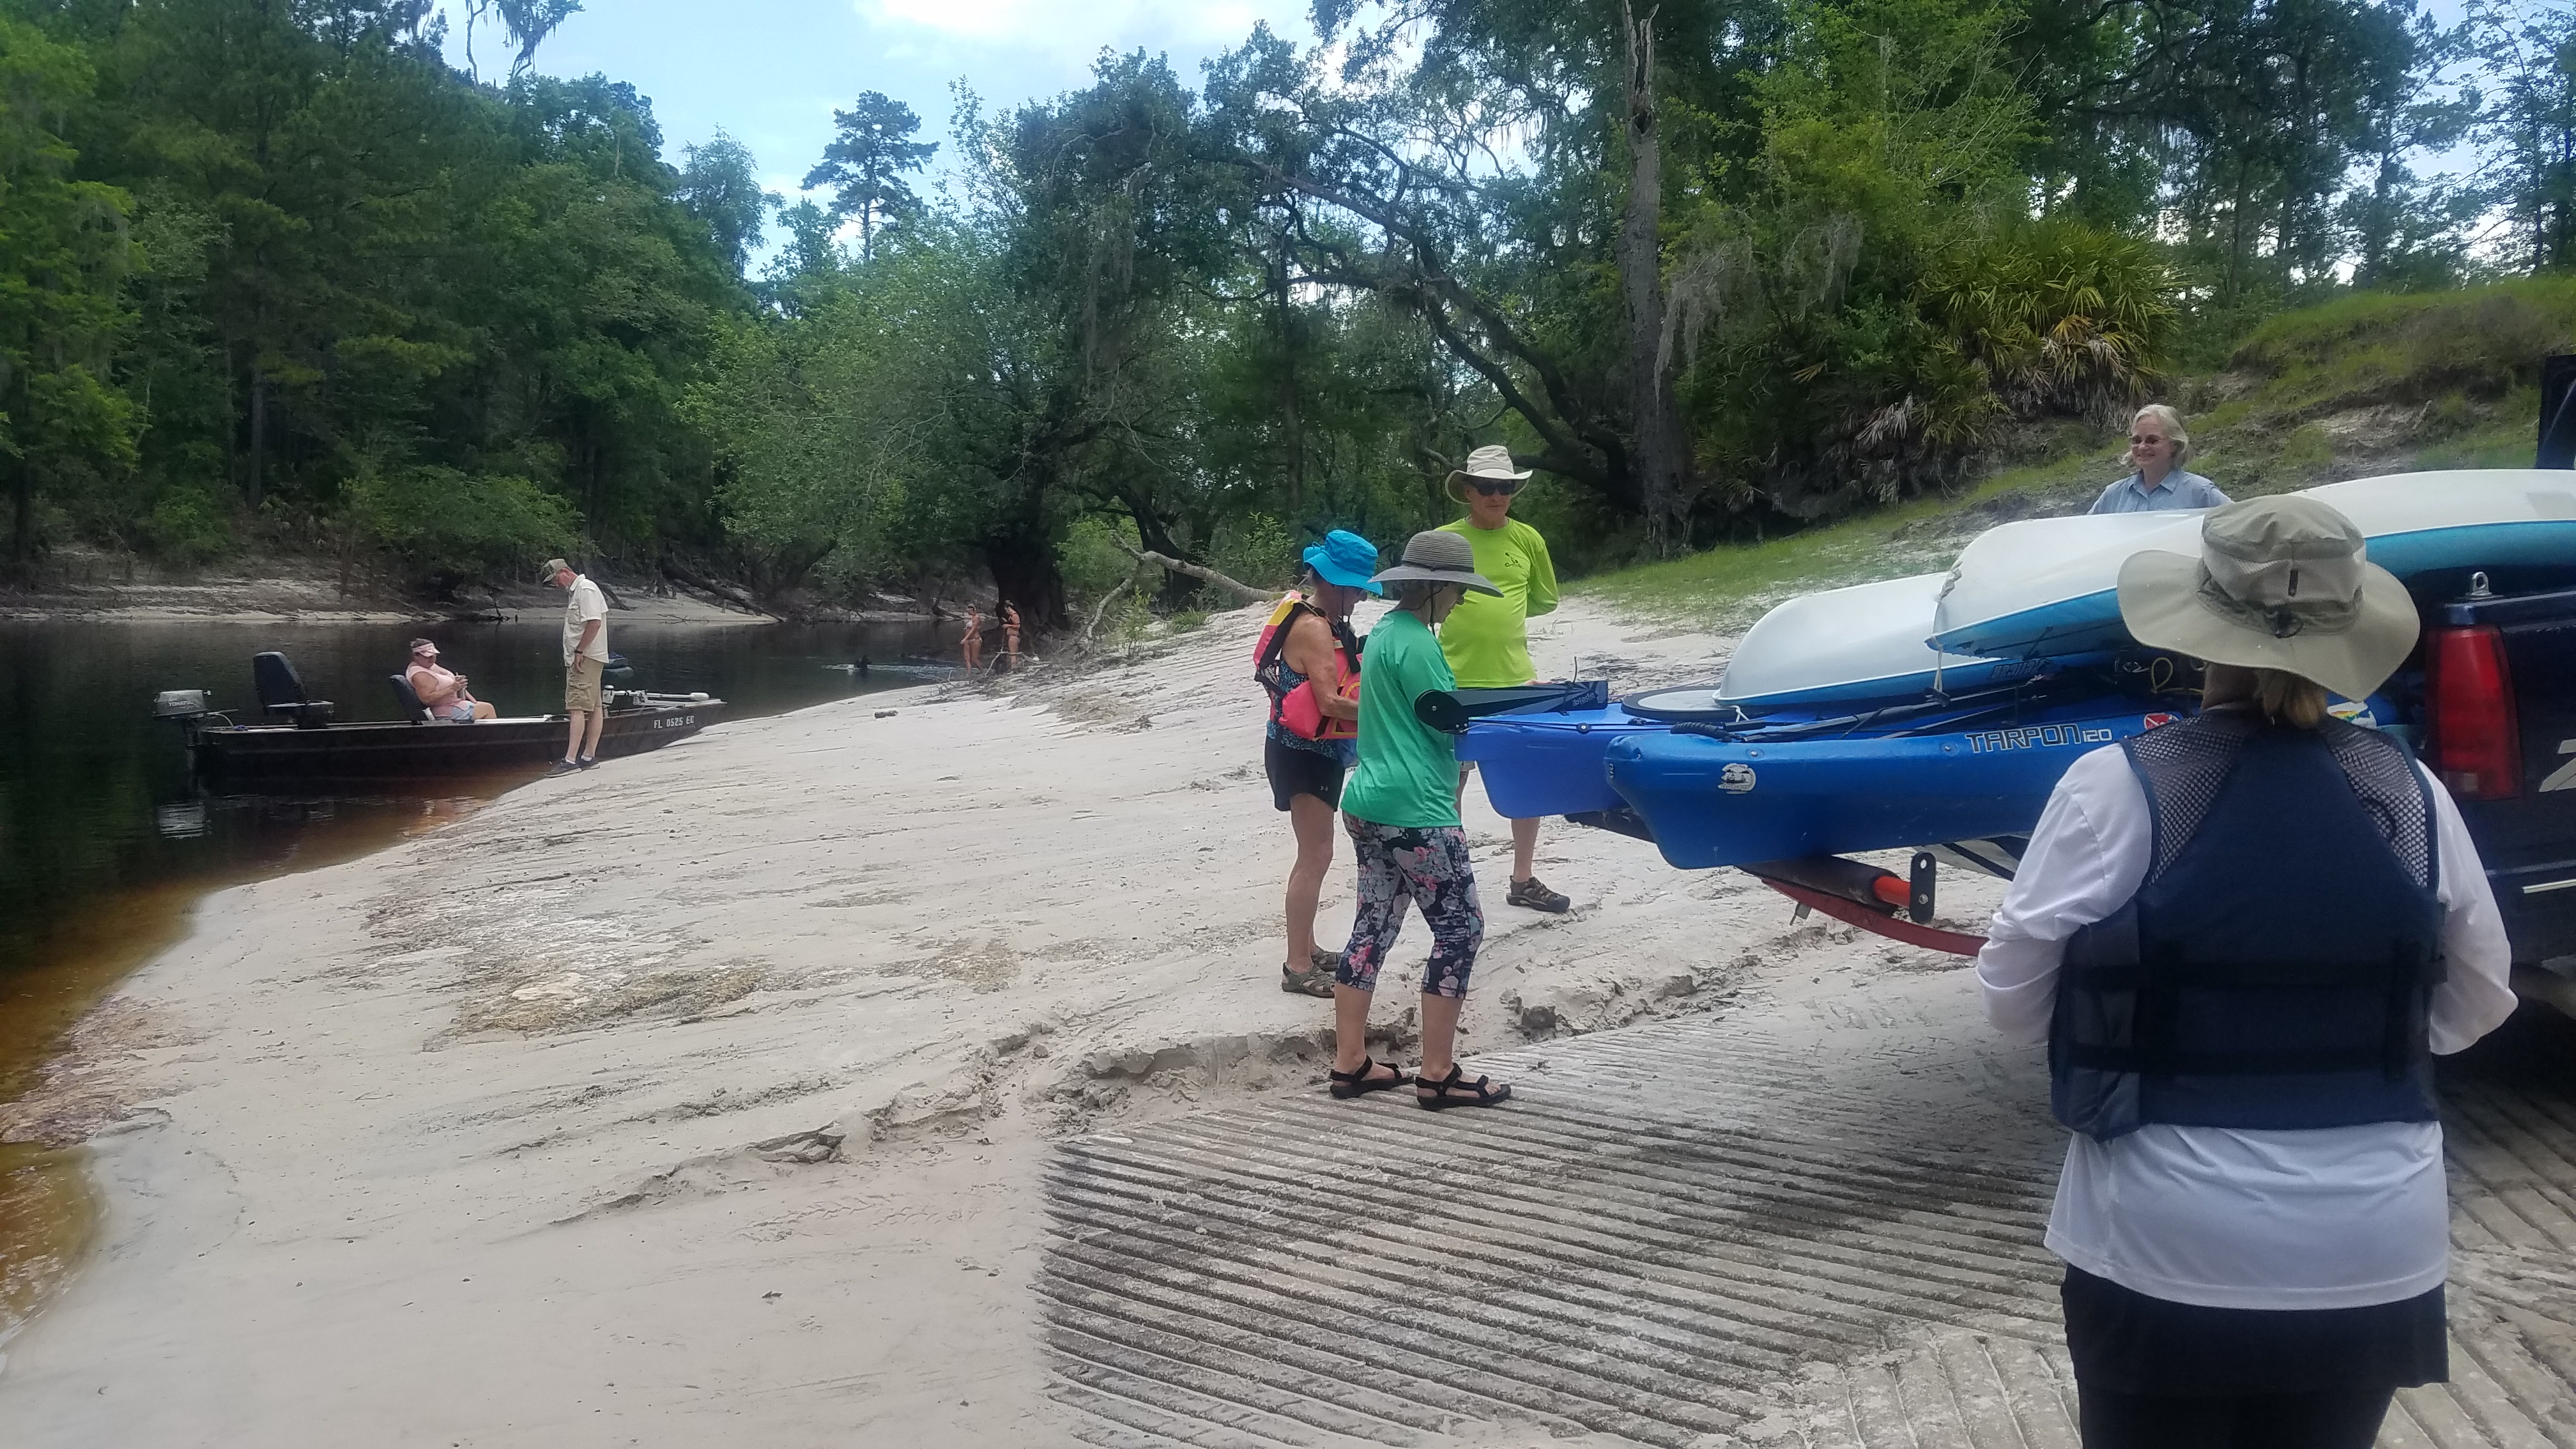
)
(2047, 587)
(1864, 642)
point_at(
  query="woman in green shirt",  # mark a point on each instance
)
(1400, 809)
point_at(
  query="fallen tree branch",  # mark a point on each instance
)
(1246, 592)
(682, 574)
(1092, 626)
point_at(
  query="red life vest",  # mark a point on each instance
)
(1297, 709)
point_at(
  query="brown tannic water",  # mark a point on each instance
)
(107, 841)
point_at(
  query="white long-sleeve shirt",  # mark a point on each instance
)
(2336, 1217)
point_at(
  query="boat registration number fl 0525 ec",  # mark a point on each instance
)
(2034, 737)
(677, 722)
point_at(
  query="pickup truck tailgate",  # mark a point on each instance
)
(2528, 840)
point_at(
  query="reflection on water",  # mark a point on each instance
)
(106, 840)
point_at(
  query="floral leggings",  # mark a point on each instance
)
(1428, 866)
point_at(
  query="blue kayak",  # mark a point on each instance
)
(1550, 764)
(1713, 802)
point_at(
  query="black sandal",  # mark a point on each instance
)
(1347, 1085)
(1478, 1093)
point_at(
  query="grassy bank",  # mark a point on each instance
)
(2364, 385)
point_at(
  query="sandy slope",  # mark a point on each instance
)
(704, 1092)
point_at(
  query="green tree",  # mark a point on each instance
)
(866, 162)
(2526, 126)
(63, 254)
(720, 186)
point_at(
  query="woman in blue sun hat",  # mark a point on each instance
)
(1309, 662)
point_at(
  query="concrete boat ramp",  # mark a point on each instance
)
(1803, 1223)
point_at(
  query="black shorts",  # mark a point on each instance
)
(2128, 1343)
(1294, 772)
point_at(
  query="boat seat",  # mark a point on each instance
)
(408, 698)
(281, 693)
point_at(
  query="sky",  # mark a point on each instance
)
(771, 72)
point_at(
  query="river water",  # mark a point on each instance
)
(106, 841)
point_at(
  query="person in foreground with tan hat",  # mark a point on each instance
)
(585, 638)
(1487, 640)
(1400, 809)
(2244, 936)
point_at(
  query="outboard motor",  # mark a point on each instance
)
(281, 693)
(186, 708)
(618, 672)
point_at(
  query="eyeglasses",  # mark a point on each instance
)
(1492, 490)
(2138, 442)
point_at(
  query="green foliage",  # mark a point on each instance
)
(1092, 558)
(2364, 385)
(278, 270)
(2061, 318)
(319, 257)
(190, 526)
(2413, 347)
(866, 162)
(1258, 550)
(63, 258)
(454, 525)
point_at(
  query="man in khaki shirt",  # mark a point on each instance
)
(585, 660)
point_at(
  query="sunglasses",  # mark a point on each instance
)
(1493, 490)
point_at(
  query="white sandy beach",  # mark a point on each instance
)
(703, 1094)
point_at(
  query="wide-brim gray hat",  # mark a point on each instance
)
(1437, 556)
(1493, 465)
(2280, 583)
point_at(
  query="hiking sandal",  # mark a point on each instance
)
(1346, 1085)
(1315, 980)
(1535, 896)
(1478, 1093)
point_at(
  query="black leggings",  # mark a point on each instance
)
(2337, 1418)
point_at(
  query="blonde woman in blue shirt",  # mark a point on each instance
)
(2157, 446)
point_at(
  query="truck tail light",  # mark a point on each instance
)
(2475, 741)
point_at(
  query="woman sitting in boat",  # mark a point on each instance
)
(2157, 446)
(2245, 936)
(442, 692)
(1308, 661)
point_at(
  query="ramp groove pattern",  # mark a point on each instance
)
(1812, 1228)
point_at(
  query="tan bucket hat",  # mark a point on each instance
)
(2280, 583)
(1438, 556)
(1494, 465)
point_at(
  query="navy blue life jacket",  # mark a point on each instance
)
(2275, 968)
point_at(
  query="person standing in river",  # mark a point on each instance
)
(1487, 639)
(585, 639)
(970, 646)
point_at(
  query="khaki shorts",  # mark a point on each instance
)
(581, 683)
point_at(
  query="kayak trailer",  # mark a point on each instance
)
(1553, 741)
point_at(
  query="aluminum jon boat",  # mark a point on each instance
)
(306, 743)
